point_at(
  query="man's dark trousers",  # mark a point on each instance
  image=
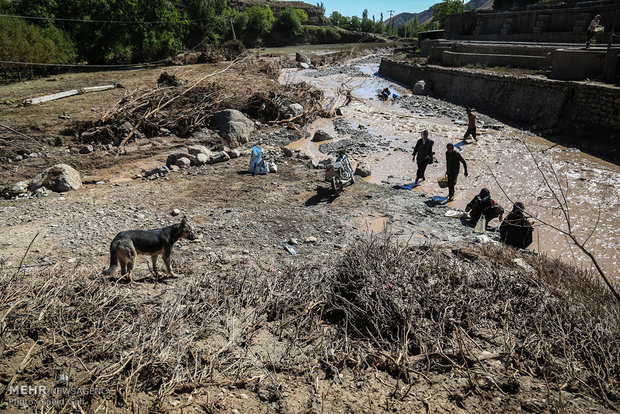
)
(451, 184)
(421, 169)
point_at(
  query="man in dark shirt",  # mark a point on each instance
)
(516, 230)
(424, 151)
(453, 167)
(484, 204)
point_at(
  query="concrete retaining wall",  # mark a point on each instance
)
(525, 99)
(571, 64)
(518, 61)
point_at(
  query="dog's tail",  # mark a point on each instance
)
(113, 260)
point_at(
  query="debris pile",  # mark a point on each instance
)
(182, 107)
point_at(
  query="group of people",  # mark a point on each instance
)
(515, 230)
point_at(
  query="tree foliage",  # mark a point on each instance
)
(260, 20)
(290, 20)
(22, 42)
(446, 8)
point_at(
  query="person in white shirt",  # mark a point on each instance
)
(591, 29)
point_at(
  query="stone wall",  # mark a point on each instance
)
(565, 24)
(530, 101)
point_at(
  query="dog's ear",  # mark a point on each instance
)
(184, 222)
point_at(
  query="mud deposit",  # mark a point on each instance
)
(383, 133)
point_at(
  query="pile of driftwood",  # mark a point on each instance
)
(181, 107)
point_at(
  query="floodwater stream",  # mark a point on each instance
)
(506, 160)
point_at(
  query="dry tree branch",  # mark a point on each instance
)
(160, 106)
(564, 208)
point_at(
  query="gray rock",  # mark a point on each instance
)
(287, 152)
(339, 111)
(86, 149)
(321, 135)
(159, 170)
(302, 57)
(20, 187)
(304, 65)
(59, 178)
(175, 212)
(233, 153)
(310, 239)
(362, 169)
(40, 192)
(183, 162)
(174, 167)
(18, 158)
(199, 149)
(126, 126)
(234, 126)
(172, 158)
(201, 159)
(33, 155)
(293, 110)
(421, 88)
(193, 160)
(221, 156)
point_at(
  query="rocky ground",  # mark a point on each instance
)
(294, 299)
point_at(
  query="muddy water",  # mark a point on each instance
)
(588, 184)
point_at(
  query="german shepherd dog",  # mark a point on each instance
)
(127, 244)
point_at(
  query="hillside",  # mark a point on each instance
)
(426, 15)
(315, 13)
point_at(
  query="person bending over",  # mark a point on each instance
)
(516, 230)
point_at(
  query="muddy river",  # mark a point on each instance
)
(390, 129)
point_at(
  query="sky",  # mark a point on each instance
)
(355, 8)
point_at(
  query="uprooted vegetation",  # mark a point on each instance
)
(182, 107)
(471, 315)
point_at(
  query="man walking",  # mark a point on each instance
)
(453, 167)
(471, 125)
(424, 151)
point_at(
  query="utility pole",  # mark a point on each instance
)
(391, 22)
(232, 27)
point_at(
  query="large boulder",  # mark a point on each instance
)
(362, 169)
(221, 156)
(293, 110)
(183, 162)
(234, 126)
(302, 57)
(199, 149)
(321, 135)
(172, 158)
(201, 159)
(421, 88)
(59, 178)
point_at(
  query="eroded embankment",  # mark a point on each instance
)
(534, 101)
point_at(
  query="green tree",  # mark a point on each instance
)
(338, 19)
(209, 19)
(355, 24)
(289, 22)
(445, 8)
(260, 20)
(22, 42)
(366, 24)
